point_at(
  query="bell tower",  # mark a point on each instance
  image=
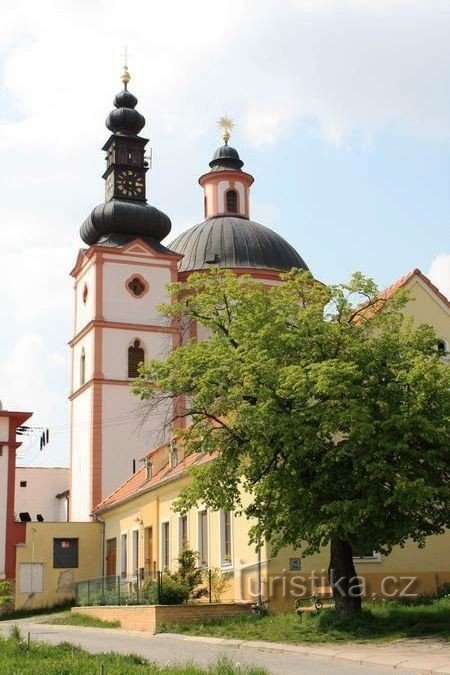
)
(119, 281)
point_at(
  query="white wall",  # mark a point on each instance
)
(120, 305)
(39, 494)
(85, 311)
(80, 490)
(115, 349)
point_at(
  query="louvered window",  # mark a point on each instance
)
(136, 356)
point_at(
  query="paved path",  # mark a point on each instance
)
(408, 656)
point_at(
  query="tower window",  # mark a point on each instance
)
(232, 201)
(82, 367)
(136, 356)
(137, 286)
(85, 293)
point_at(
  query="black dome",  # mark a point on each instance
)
(226, 157)
(125, 120)
(234, 242)
(125, 217)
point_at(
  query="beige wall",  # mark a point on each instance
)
(58, 584)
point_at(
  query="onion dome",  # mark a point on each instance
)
(125, 217)
(125, 214)
(125, 120)
(233, 242)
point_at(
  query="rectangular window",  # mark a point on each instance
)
(135, 552)
(225, 537)
(366, 555)
(203, 537)
(23, 483)
(31, 577)
(165, 546)
(65, 553)
(184, 537)
(123, 555)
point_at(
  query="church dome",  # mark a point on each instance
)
(226, 157)
(233, 242)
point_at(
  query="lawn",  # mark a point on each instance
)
(387, 621)
(65, 659)
(69, 619)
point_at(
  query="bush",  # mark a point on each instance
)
(172, 592)
(5, 593)
(219, 583)
(189, 574)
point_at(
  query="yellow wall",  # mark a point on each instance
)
(58, 584)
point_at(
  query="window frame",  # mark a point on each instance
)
(223, 555)
(182, 544)
(228, 192)
(123, 555)
(203, 561)
(131, 346)
(165, 545)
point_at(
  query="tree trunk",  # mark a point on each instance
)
(343, 579)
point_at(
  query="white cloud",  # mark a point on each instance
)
(439, 273)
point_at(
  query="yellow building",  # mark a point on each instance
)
(144, 534)
(54, 557)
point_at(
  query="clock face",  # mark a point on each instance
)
(130, 183)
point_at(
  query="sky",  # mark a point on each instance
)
(342, 112)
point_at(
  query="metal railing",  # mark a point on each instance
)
(139, 589)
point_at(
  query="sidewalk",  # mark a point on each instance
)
(422, 655)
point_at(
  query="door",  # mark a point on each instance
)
(111, 554)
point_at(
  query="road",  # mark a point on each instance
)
(166, 649)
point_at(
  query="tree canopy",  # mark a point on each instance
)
(324, 403)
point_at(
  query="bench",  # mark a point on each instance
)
(321, 598)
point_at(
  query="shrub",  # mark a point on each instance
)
(219, 583)
(5, 593)
(189, 574)
(172, 592)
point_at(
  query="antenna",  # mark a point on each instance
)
(148, 158)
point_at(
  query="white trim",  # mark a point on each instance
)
(208, 552)
(161, 538)
(135, 567)
(180, 531)
(222, 563)
(375, 558)
(123, 572)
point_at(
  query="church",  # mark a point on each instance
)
(126, 472)
(120, 280)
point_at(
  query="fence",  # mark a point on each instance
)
(135, 590)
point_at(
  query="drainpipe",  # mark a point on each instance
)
(102, 523)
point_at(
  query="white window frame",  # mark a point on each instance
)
(374, 558)
(225, 563)
(162, 545)
(446, 356)
(123, 555)
(200, 546)
(135, 563)
(180, 531)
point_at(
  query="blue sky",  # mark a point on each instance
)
(342, 111)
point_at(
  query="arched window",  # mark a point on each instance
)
(232, 201)
(205, 203)
(136, 355)
(82, 367)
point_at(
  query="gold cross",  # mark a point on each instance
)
(126, 77)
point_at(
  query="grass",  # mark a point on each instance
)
(65, 659)
(37, 611)
(69, 619)
(378, 621)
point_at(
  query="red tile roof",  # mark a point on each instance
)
(390, 290)
(138, 483)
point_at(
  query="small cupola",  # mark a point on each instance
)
(226, 187)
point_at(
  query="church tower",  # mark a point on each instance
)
(119, 281)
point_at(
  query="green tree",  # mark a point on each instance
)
(322, 402)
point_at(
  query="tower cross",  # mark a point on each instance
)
(226, 124)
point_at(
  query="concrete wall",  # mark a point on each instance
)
(4, 455)
(39, 494)
(58, 584)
